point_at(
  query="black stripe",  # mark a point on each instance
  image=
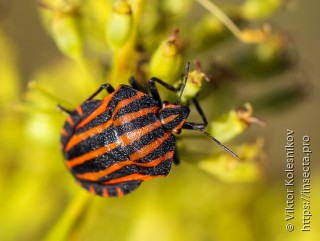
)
(162, 169)
(89, 106)
(170, 111)
(125, 92)
(124, 171)
(99, 120)
(112, 191)
(129, 186)
(96, 186)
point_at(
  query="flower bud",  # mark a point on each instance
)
(232, 124)
(259, 9)
(67, 36)
(252, 36)
(177, 7)
(193, 85)
(271, 50)
(246, 168)
(64, 28)
(119, 27)
(165, 62)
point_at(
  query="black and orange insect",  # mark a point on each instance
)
(112, 145)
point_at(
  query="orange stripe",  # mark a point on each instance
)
(156, 162)
(91, 189)
(90, 155)
(169, 118)
(105, 192)
(134, 115)
(79, 110)
(94, 176)
(127, 101)
(70, 121)
(101, 108)
(173, 106)
(130, 137)
(64, 132)
(75, 139)
(119, 192)
(149, 148)
(132, 177)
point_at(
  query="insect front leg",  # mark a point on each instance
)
(155, 93)
(106, 87)
(202, 126)
(154, 90)
(197, 126)
(65, 110)
(134, 83)
(176, 158)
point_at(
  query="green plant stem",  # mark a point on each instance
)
(69, 218)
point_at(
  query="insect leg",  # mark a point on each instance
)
(197, 126)
(134, 83)
(176, 158)
(154, 90)
(202, 126)
(60, 107)
(106, 87)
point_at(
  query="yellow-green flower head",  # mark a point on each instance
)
(165, 61)
(271, 49)
(63, 24)
(259, 9)
(194, 84)
(119, 27)
(246, 168)
(232, 124)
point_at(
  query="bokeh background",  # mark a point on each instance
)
(214, 199)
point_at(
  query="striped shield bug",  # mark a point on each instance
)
(112, 145)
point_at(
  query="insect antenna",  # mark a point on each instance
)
(185, 79)
(219, 143)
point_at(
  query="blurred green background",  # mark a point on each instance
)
(209, 196)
